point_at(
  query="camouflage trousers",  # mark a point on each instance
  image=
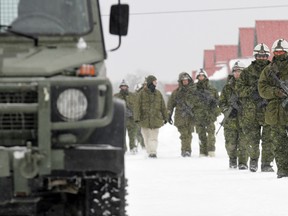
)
(206, 136)
(253, 134)
(235, 143)
(280, 144)
(131, 127)
(139, 136)
(186, 136)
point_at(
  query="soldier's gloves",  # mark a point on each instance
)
(233, 113)
(170, 121)
(279, 93)
(137, 121)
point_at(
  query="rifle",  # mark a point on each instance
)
(261, 102)
(207, 98)
(128, 112)
(233, 101)
(186, 108)
(283, 86)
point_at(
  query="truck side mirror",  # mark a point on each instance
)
(119, 18)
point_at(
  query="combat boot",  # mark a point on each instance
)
(185, 154)
(233, 163)
(266, 167)
(211, 154)
(253, 165)
(243, 167)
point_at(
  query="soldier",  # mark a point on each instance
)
(253, 107)
(184, 117)
(151, 114)
(139, 136)
(206, 112)
(130, 99)
(276, 113)
(231, 108)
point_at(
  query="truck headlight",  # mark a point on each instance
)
(72, 104)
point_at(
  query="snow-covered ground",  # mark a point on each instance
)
(174, 186)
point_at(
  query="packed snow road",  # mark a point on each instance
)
(172, 185)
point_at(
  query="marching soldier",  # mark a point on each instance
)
(131, 126)
(253, 108)
(184, 117)
(231, 108)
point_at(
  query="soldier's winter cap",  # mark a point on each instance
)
(123, 83)
(202, 72)
(150, 79)
(184, 76)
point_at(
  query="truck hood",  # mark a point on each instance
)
(46, 61)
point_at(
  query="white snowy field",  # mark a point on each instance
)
(172, 185)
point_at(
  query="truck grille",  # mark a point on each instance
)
(18, 121)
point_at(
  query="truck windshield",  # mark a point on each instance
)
(46, 17)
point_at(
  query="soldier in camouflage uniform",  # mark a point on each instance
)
(253, 108)
(183, 118)
(139, 136)
(130, 99)
(231, 108)
(276, 113)
(206, 112)
(151, 114)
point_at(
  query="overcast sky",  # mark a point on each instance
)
(166, 38)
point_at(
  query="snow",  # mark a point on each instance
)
(200, 186)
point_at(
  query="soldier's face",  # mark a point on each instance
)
(201, 77)
(155, 82)
(185, 82)
(236, 74)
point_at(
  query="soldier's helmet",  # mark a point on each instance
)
(201, 71)
(238, 66)
(280, 45)
(150, 79)
(123, 83)
(261, 50)
(184, 76)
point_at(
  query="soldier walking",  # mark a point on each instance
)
(206, 112)
(131, 127)
(151, 114)
(252, 119)
(272, 85)
(231, 108)
(184, 117)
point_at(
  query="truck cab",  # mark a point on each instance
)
(61, 132)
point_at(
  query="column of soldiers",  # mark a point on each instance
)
(254, 102)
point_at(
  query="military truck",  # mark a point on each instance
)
(61, 132)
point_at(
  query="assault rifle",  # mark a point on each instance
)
(281, 83)
(185, 108)
(206, 97)
(283, 86)
(128, 112)
(233, 101)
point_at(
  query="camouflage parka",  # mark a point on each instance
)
(181, 99)
(227, 93)
(150, 109)
(130, 99)
(205, 103)
(275, 113)
(253, 106)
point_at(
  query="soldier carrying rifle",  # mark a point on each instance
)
(273, 86)
(181, 100)
(231, 108)
(206, 111)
